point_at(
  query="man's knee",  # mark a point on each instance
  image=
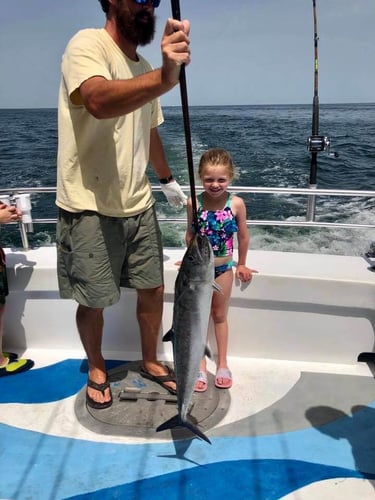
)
(151, 294)
(85, 311)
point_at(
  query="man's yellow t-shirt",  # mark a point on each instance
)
(102, 163)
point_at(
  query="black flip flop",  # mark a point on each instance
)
(11, 355)
(161, 379)
(101, 388)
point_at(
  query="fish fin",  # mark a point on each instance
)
(168, 337)
(207, 352)
(169, 424)
(217, 287)
(176, 421)
(193, 428)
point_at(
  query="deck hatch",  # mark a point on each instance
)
(140, 406)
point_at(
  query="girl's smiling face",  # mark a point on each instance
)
(215, 179)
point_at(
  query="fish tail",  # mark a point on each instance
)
(169, 424)
(207, 352)
(191, 426)
(177, 421)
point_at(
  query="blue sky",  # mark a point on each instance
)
(243, 51)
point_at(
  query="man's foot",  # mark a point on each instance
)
(98, 391)
(162, 375)
(98, 396)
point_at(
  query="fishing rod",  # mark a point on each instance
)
(315, 143)
(185, 110)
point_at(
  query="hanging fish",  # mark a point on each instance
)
(191, 312)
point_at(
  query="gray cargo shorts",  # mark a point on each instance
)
(97, 254)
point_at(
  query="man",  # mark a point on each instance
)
(107, 233)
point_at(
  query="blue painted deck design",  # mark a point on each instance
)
(37, 465)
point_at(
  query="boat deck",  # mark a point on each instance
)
(284, 430)
(298, 423)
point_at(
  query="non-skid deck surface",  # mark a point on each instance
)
(141, 405)
(285, 430)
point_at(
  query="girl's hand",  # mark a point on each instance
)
(244, 273)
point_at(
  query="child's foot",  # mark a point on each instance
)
(17, 366)
(201, 382)
(223, 378)
(11, 355)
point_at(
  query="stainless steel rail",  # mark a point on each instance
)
(13, 192)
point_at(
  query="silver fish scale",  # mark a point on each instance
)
(192, 305)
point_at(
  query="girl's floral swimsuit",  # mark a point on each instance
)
(219, 226)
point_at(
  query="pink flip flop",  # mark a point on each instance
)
(223, 378)
(202, 380)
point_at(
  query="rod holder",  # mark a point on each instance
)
(23, 203)
(5, 199)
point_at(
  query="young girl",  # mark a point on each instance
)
(220, 216)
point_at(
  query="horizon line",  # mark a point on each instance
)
(215, 105)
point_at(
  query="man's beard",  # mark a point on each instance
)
(137, 28)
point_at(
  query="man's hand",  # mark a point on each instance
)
(174, 194)
(175, 49)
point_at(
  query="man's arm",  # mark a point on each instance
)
(170, 188)
(111, 98)
(158, 159)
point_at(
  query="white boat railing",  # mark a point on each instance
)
(13, 193)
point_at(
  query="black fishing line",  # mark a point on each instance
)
(185, 111)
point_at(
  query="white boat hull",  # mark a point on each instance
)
(300, 417)
(302, 307)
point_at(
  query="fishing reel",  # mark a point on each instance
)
(318, 143)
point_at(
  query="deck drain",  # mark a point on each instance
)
(140, 406)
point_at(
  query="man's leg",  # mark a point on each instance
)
(149, 314)
(90, 326)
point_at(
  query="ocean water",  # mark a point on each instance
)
(268, 146)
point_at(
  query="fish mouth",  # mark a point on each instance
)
(202, 245)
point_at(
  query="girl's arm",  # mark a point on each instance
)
(243, 273)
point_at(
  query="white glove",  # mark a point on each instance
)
(174, 194)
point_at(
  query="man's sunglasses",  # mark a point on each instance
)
(154, 3)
